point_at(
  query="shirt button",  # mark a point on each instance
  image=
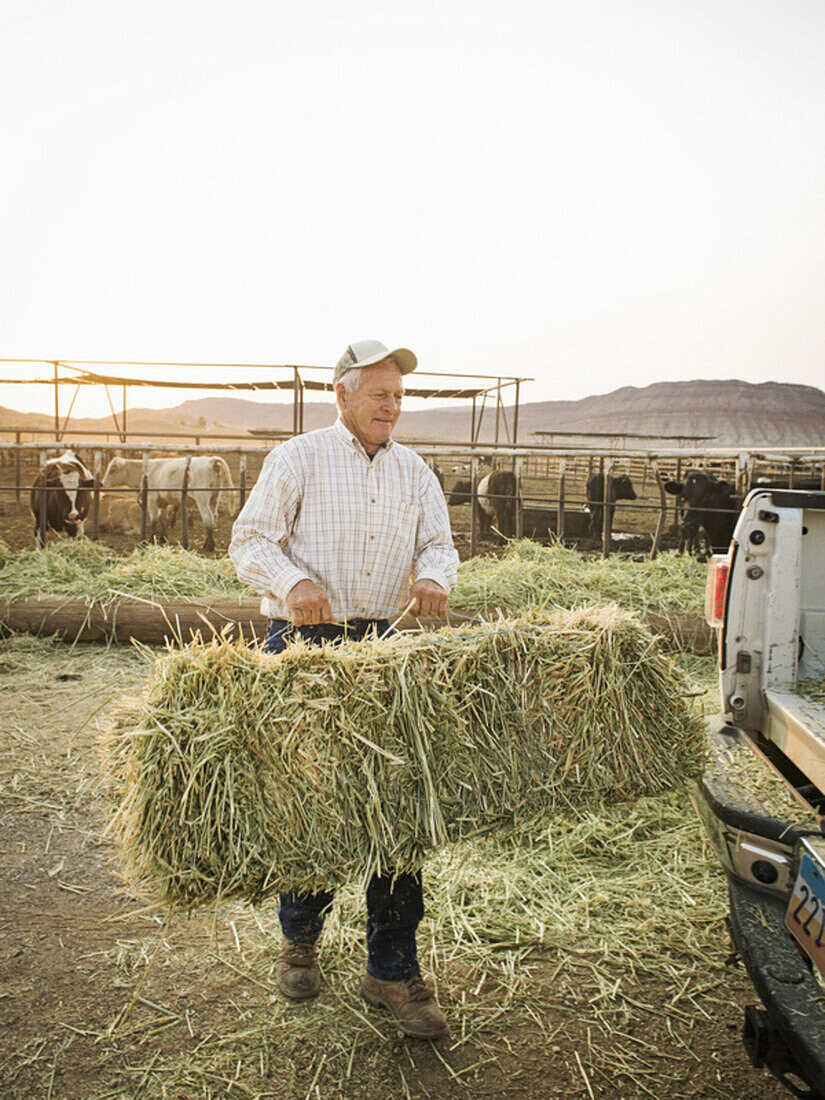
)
(369, 574)
(372, 500)
(372, 536)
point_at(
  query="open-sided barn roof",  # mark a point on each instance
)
(81, 376)
(293, 378)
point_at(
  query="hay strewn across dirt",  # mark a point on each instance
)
(565, 952)
(238, 774)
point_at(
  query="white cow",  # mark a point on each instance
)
(120, 516)
(208, 475)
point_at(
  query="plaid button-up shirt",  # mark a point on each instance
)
(360, 528)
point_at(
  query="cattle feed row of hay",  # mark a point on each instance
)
(82, 569)
(238, 774)
(529, 574)
(526, 575)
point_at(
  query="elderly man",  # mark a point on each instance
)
(344, 526)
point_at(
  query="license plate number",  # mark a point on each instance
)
(805, 916)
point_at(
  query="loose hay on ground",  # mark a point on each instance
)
(238, 774)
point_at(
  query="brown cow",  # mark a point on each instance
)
(61, 494)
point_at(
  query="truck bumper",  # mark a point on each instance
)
(757, 851)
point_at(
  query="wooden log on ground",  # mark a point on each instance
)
(154, 624)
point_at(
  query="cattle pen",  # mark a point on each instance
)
(551, 495)
(549, 498)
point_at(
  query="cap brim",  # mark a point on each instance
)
(403, 357)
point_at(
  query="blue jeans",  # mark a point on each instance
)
(395, 906)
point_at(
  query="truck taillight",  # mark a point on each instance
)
(716, 589)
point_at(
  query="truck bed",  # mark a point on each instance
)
(796, 725)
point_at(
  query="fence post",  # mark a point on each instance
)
(42, 510)
(18, 468)
(473, 506)
(607, 518)
(96, 497)
(144, 498)
(560, 514)
(519, 498)
(184, 514)
(677, 498)
(660, 523)
(242, 482)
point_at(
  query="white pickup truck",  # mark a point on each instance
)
(762, 798)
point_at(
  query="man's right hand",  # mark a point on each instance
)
(308, 604)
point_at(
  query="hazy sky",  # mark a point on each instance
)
(594, 193)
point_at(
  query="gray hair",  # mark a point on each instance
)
(351, 379)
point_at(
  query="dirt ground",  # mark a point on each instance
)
(100, 999)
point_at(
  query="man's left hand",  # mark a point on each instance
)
(428, 599)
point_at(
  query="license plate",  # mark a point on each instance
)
(805, 916)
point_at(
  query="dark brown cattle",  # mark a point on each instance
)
(618, 488)
(61, 495)
(461, 493)
(439, 473)
(711, 506)
(542, 523)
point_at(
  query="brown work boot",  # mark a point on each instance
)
(412, 1003)
(297, 970)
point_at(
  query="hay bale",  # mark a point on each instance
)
(237, 774)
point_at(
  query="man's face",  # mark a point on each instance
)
(372, 411)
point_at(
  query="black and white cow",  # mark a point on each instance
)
(619, 487)
(710, 506)
(61, 494)
(497, 502)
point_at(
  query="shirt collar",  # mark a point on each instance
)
(346, 436)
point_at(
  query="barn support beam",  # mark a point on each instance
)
(67, 417)
(56, 405)
(121, 433)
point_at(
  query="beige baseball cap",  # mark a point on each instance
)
(363, 353)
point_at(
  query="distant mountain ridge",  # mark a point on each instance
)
(730, 412)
